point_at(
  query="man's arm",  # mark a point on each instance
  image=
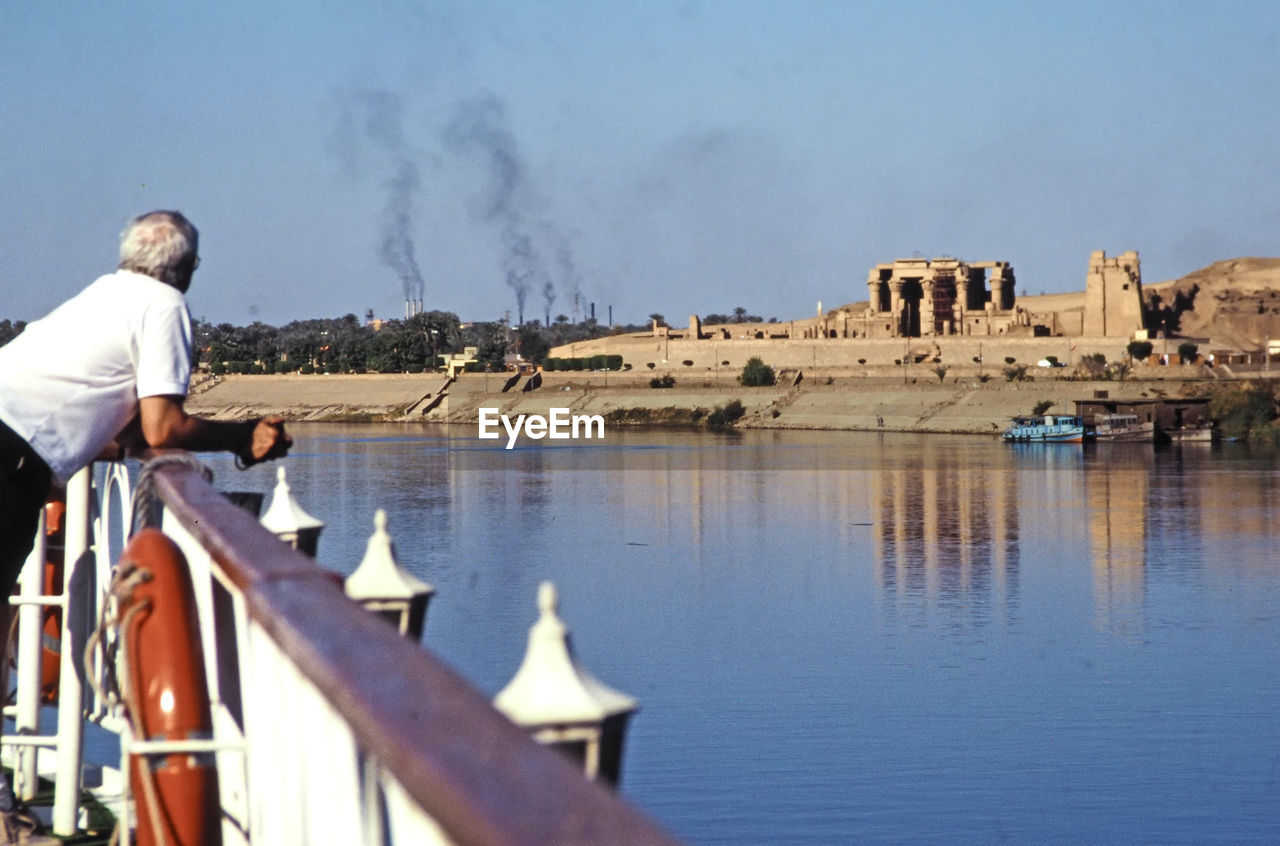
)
(165, 423)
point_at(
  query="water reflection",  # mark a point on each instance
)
(945, 533)
(1118, 486)
(841, 637)
(944, 524)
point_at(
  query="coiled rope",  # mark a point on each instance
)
(144, 503)
(119, 691)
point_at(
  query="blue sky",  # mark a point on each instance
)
(674, 157)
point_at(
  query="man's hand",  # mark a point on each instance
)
(165, 424)
(267, 440)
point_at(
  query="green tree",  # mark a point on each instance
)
(384, 353)
(1241, 412)
(1139, 350)
(1094, 365)
(1015, 373)
(533, 344)
(9, 331)
(757, 374)
(1188, 351)
(726, 415)
(229, 343)
(353, 353)
(440, 331)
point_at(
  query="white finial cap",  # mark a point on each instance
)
(380, 575)
(284, 514)
(550, 688)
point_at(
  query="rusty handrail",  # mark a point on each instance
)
(477, 775)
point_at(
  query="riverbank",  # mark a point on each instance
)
(920, 403)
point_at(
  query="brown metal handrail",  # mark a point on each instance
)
(478, 776)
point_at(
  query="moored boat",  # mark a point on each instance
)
(1202, 434)
(1060, 428)
(1124, 427)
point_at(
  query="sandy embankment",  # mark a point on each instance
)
(895, 403)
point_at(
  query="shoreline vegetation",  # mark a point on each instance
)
(1243, 407)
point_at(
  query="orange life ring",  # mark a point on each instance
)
(55, 514)
(167, 697)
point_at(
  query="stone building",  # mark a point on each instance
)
(922, 298)
(1113, 295)
(933, 298)
(951, 307)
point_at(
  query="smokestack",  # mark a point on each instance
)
(408, 309)
(610, 317)
(593, 311)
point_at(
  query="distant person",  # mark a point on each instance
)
(111, 364)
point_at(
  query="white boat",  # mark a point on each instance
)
(1124, 427)
(1059, 428)
(1190, 434)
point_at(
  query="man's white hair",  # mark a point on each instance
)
(162, 245)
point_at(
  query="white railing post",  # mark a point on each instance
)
(27, 717)
(66, 799)
(115, 490)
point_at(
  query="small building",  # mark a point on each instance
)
(454, 362)
(1169, 415)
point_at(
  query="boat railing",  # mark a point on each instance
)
(328, 725)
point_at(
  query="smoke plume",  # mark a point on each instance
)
(377, 117)
(479, 129)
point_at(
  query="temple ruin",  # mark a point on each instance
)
(918, 297)
(1113, 295)
(951, 307)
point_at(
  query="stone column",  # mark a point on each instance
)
(873, 291)
(1002, 288)
(928, 324)
(895, 304)
(997, 292)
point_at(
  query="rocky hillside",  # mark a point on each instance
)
(1235, 303)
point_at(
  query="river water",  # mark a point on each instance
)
(852, 637)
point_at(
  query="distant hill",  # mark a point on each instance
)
(1234, 303)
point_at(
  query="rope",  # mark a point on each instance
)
(144, 496)
(120, 692)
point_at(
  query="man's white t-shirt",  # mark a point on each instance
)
(72, 380)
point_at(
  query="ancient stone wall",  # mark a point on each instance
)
(1113, 295)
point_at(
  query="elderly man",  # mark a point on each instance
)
(111, 364)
